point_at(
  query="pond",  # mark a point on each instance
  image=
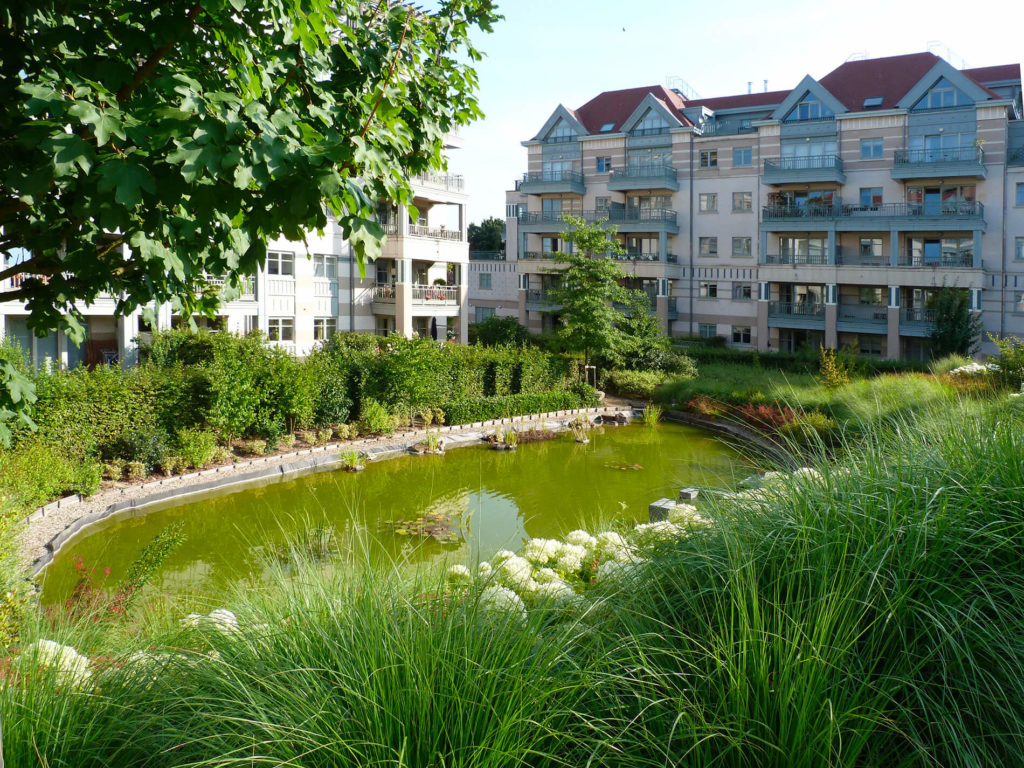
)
(489, 499)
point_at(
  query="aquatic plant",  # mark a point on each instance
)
(652, 415)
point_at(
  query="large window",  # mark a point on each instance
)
(742, 202)
(870, 197)
(707, 330)
(809, 108)
(741, 246)
(325, 265)
(741, 334)
(870, 149)
(707, 202)
(482, 313)
(281, 328)
(604, 165)
(743, 156)
(871, 295)
(1018, 248)
(280, 263)
(941, 147)
(708, 246)
(561, 132)
(709, 290)
(942, 95)
(651, 123)
(324, 327)
(1020, 193)
(485, 281)
(816, 153)
(742, 292)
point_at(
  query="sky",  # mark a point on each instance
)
(548, 52)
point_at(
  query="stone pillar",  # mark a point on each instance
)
(831, 258)
(892, 341)
(463, 313)
(763, 336)
(831, 313)
(403, 297)
(894, 248)
(524, 284)
(977, 250)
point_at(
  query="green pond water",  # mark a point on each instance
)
(495, 500)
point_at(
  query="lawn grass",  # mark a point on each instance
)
(868, 616)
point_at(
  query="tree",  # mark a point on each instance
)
(641, 345)
(150, 144)
(497, 331)
(488, 235)
(588, 287)
(957, 330)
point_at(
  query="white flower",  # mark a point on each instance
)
(581, 539)
(686, 514)
(612, 546)
(542, 551)
(808, 472)
(495, 598)
(71, 667)
(460, 575)
(971, 369)
(501, 556)
(570, 562)
(516, 572)
(611, 570)
(546, 575)
(223, 620)
(484, 569)
(557, 592)
(663, 530)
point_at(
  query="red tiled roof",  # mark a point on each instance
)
(769, 99)
(889, 77)
(982, 75)
(616, 107)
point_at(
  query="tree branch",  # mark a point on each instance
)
(387, 80)
(150, 64)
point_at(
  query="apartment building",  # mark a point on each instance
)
(825, 214)
(309, 291)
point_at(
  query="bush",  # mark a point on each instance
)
(1010, 360)
(375, 419)
(341, 431)
(148, 446)
(170, 465)
(287, 442)
(136, 471)
(486, 408)
(324, 436)
(38, 472)
(810, 428)
(254, 447)
(498, 331)
(639, 384)
(114, 469)
(196, 447)
(949, 363)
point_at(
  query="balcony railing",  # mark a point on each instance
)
(810, 162)
(649, 131)
(435, 294)
(670, 258)
(487, 256)
(248, 286)
(795, 258)
(435, 233)
(384, 292)
(572, 177)
(539, 298)
(919, 315)
(958, 155)
(645, 171)
(1016, 157)
(858, 259)
(809, 309)
(944, 260)
(862, 313)
(963, 209)
(538, 255)
(630, 215)
(451, 181)
(615, 216)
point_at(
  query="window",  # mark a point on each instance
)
(709, 290)
(709, 158)
(485, 281)
(741, 246)
(324, 328)
(561, 132)
(742, 202)
(708, 246)
(870, 346)
(649, 159)
(942, 95)
(280, 263)
(809, 108)
(1018, 248)
(947, 252)
(281, 329)
(325, 265)
(741, 334)
(871, 296)
(870, 148)
(870, 197)
(869, 249)
(556, 170)
(606, 127)
(514, 210)
(707, 202)
(651, 123)
(707, 330)
(604, 165)
(1020, 194)
(813, 153)
(482, 313)
(743, 156)
(939, 147)
(602, 205)
(742, 292)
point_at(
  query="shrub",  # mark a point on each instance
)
(375, 419)
(702, 405)
(1010, 360)
(948, 363)
(332, 405)
(766, 417)
(170, 465)
(808, 428)
(498, 331)
(148, 446)
(308, 436)
(136, 471)
(38, 472)
(221, 455)
(196, 446)
(114, 469)
(324, 436)
(832, 372)
(287, 442)
(640, 384)
(253, 447)
(486, 408)
(341, 431)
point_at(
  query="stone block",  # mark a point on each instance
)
(658, 510)
(688, 494)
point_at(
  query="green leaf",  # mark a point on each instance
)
(128, 179)
(68, 151)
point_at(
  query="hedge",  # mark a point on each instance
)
(486, 408)
(803, 361)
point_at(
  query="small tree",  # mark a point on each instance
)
(641, 346)
(589, 284)
(488, 235)
(957, 329)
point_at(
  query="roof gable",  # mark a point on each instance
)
(561, 114)
(808, 86)
(942, 69)
(618, 106)
(888, 78)
(650, 106)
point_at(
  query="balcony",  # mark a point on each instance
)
(948, 260)
(539, 255)
(799, 314)
(625, 219)
(917, 321)
(384, 293)
(803, 170)
(435, 295)
(795, 259)
(956, 215)
(487, 256)
(451, 182)
(248, 292)
(867, 318)
(540, 301)
(939, 163)
(644, 176)
(551, 181)
(639, 256)
(1016, 157)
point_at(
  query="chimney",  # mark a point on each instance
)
(766, 86)
(750, 85)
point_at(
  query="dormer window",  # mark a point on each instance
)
(809, 108)
(561, 132)
(942, 95)
(652, 123)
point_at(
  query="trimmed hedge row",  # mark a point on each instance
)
(803, 361)
(501, 407)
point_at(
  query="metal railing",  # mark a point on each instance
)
(726, 127)
(963, 209)
(629, 215)
(384, 292)
(559, 139)
(434, 233)
(1016, 157)
(862, 313)
(795, 258)
(614, 215)
(958, 155)
(649, 131)
(944, 260)
(646, 171)
(570, 177)
(535, 255)
(812, 309)
(450, 181)
(487, 256)
(248, 286)
(857, 259)
(435, 294)
(671, 258)
(539, 298)
(917, 315)
(810, 162)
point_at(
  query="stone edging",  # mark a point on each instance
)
(455, 436)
